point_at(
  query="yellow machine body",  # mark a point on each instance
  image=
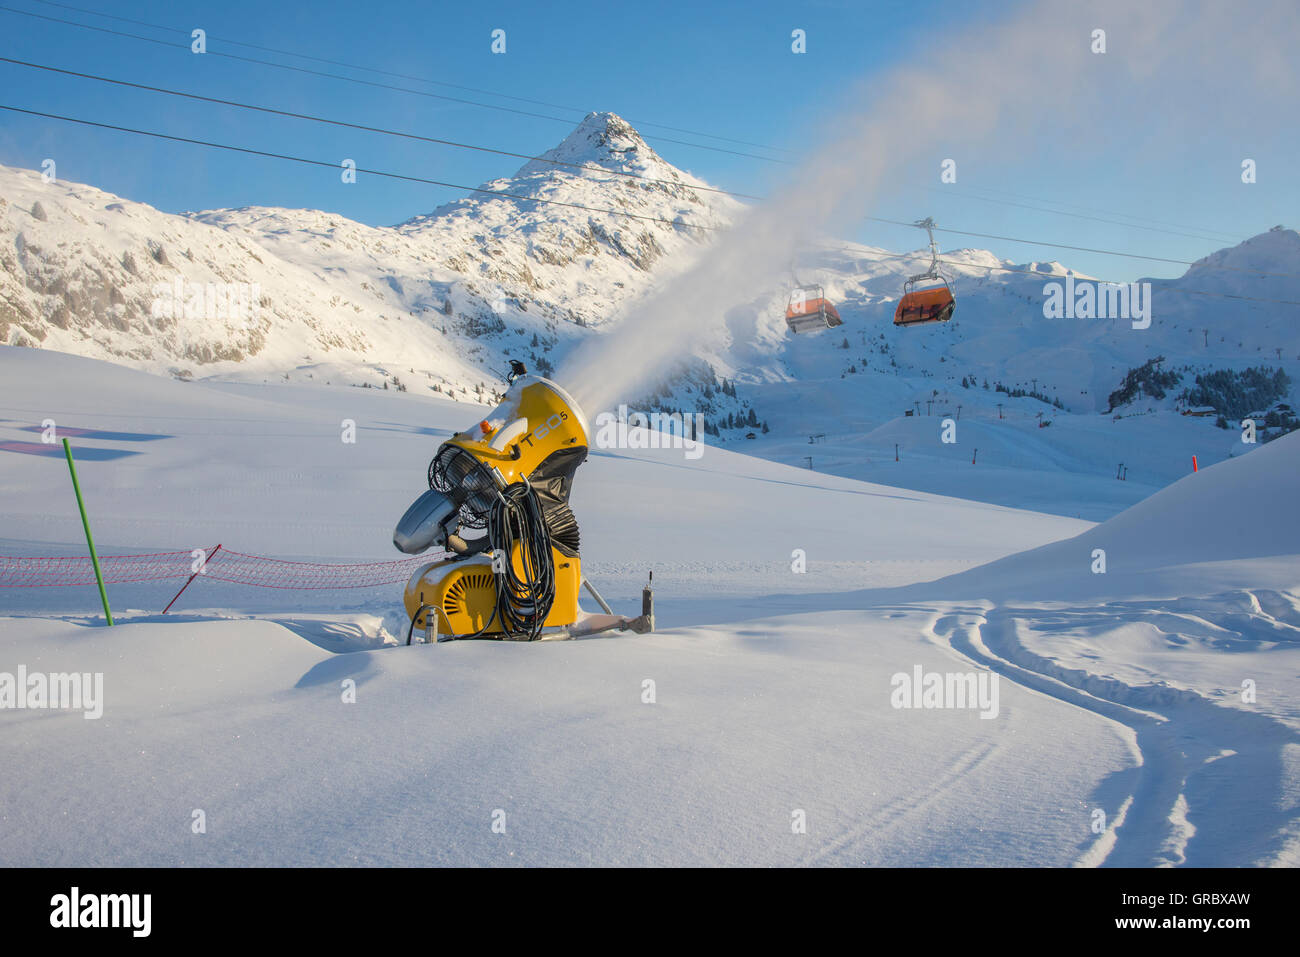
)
(536, 419)
(456, 597)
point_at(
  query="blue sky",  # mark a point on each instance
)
(722, 68)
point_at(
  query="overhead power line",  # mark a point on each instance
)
(404, 76)
(468, 146)
(1057, 202)
(1025, 271)
(460, 145)
(371, 83)
(1188, 292)
(372, 172)
(595, 209)
(1096, 219)
(1090, 249)
(531, 199)
(370, 129)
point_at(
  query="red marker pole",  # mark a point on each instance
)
(1193, 463)
(202, 568)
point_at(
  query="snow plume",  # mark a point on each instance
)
(1019, 90)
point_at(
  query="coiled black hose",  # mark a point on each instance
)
(523, 600)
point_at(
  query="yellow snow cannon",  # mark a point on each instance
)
(498, 507)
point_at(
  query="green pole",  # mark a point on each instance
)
(94, 559)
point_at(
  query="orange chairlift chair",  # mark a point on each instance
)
(808, 309)
(931, 303)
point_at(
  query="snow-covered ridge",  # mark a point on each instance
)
(446, 294)
(1121, 691)
(442, 299)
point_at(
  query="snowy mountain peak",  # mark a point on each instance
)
(1265, 252)
(601, 139)
(1260, 268)
(604, 163)
(605, 139)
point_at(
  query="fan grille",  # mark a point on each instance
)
(463, 479)
(457, 599)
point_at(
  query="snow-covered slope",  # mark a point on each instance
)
(446, 295)
(341, 303)
(842, 397)
(1240, 511)
(1217, 315)
(441, 300)
(772, 736)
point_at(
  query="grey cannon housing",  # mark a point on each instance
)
(423, 525)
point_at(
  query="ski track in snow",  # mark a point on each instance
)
(1192, 753)
(897, 811)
